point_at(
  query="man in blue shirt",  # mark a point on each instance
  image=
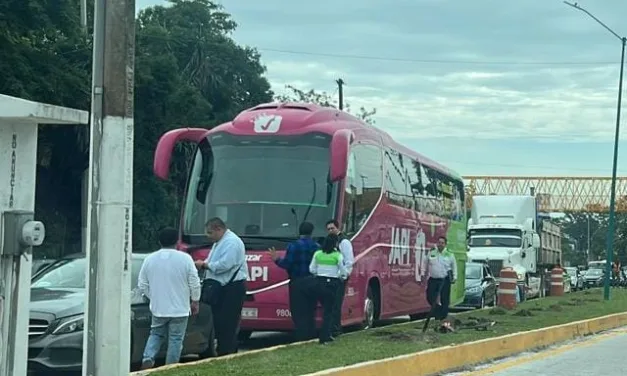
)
(226, 265)
(296, 262)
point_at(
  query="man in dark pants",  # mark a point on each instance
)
(296, 262)
(442, 273)
(226, 264)
(346, 249)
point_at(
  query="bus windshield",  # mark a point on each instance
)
(262, 186)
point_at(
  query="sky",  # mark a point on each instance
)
(486, 87)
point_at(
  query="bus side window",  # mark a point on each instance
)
(369, 181)
(350, 193)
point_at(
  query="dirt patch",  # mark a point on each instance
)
(567, 303)
(593, 300)
(498, 311)
(406, 336)
(402, 336)
(556, 308)
(524, 313)
(381, 333)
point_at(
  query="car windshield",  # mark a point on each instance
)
(262, 186)
(571, 271)
(473, 272)
(70, 274)
(594, 272)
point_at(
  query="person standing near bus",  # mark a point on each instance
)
(327, 265)
(169, 279)
(346, 248)
(442, 274)
(296, 262)
(226, 267)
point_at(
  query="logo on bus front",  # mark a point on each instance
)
(265, 123)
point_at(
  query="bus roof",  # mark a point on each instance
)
(298, 118)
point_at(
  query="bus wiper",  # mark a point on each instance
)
(313, 199)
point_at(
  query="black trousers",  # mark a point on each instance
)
(227, 314)
(303, 307)
(443, 285)
(326, 294)
(336, 328)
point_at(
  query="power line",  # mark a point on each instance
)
(435, 61)
(378, 58)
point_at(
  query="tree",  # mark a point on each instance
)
(323, 99)
(188, 71)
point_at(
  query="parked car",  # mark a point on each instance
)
(594, 277)
(575, 278)
(480, 286)
(55, 332)
(40, 265)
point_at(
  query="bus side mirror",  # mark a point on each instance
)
(339, 154)
(163, 152)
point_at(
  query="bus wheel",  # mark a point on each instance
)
(369, 309)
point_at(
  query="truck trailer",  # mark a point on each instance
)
(508, 231)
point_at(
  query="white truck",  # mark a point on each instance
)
(505, 231)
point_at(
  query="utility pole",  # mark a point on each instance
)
(611, 222)
(588, 253)
(84, 15)
(110, 192)
(340, 90)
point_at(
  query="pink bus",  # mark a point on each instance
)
(276, 165)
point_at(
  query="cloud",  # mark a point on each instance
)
(477, 80)
(545, 103)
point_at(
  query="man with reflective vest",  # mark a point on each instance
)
(346, 249)
(442, 274)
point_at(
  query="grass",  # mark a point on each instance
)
(402, 339)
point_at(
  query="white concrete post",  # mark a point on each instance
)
(18, 165)
(18, 157)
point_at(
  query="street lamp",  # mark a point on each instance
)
(610, 228)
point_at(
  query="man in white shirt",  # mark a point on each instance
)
(346, 249)
(170, 280)
(226, 265)
(442, 274)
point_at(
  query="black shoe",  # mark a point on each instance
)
(326, 341)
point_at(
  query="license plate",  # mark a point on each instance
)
(249, 313)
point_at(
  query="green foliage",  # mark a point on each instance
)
(324, 99)
(579, 225)
(188, 72)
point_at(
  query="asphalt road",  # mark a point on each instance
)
(592, 356)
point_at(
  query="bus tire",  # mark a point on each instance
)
(372, 305)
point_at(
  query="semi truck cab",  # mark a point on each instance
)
(502, 232)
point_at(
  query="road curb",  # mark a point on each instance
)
(434, 361)
(207, 360)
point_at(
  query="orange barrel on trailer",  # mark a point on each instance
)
(557, 282)
(508, 288)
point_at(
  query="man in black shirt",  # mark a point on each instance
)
(296, 262)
